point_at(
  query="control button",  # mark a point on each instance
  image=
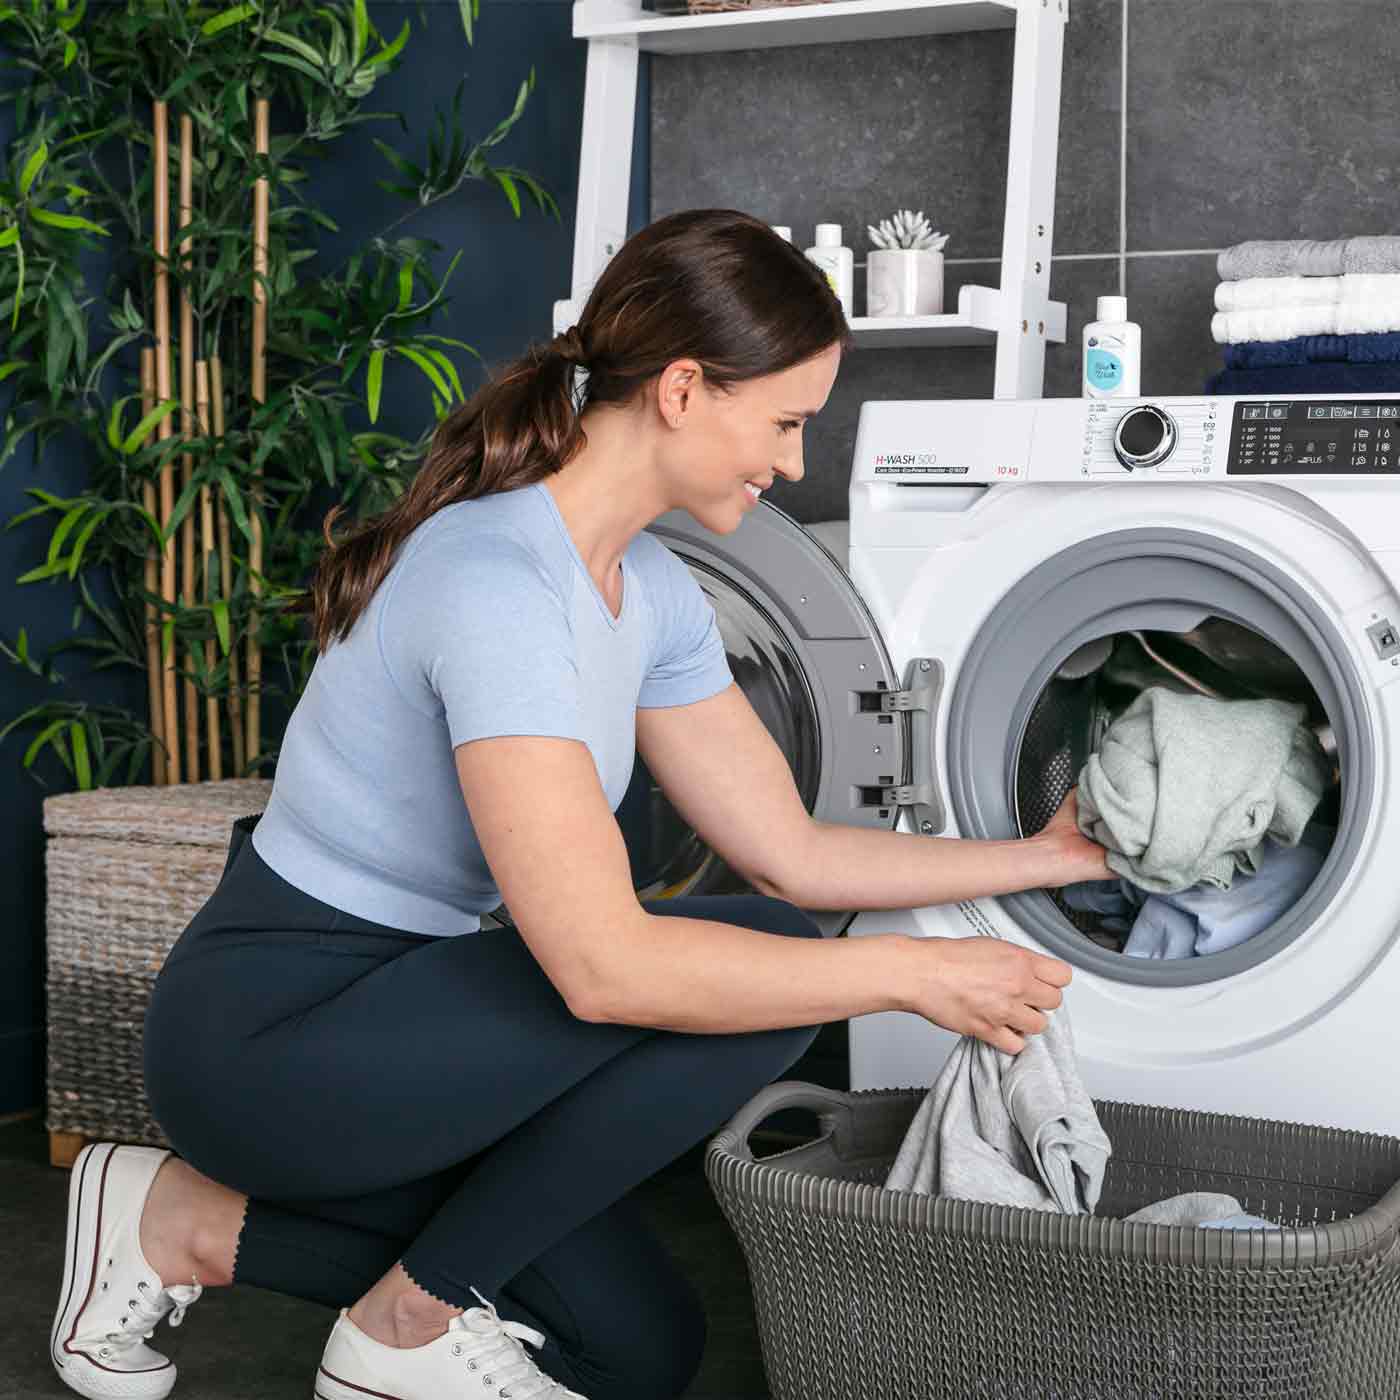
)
(1145, 436)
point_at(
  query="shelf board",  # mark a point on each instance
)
(785, 25)
(973, 323)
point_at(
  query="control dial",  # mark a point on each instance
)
(1144, 436)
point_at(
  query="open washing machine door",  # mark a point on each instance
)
(807, 654)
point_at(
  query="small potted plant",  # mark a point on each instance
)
(904, 272)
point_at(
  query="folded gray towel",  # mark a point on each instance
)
(1209, 1210)
(1012, 1130)
(1307, 257)
(1184, 788)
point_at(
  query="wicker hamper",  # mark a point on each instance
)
(127, 868)
(866, 1294)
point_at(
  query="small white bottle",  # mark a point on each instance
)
(782, 230)
(1112, 352)
(837, 261)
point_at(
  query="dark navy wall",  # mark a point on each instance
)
(510, 273)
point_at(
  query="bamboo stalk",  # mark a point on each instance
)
(187, 563)
(235, 697)
(259, 393)
(206, 521)
(152, 580)
(161, 181)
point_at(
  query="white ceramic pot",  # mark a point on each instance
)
(903, 282)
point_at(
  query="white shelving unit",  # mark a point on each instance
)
(1017, 317)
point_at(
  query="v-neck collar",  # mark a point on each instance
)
(613, 620)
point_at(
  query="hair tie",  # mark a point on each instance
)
(569, 344)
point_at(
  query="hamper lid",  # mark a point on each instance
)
(182, 814)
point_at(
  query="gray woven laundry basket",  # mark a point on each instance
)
(866, 1294)
(127, 868)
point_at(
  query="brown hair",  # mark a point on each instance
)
(713, 285)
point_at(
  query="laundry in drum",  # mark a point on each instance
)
(1183, 789)
(1206, 919)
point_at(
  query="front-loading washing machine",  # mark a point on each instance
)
(1236, 546)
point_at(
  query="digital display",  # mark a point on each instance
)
(1280, 437)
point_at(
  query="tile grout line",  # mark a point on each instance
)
(1123, 155)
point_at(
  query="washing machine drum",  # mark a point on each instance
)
(808, 657)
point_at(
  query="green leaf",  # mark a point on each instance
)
(32, 167)
(390, 51)
(10, 367)
(70, 52)
(405, 284)
(9, 235)
(428, 368)
(220, 611)
(227, 20)
(299, 46)
(64, 526)
(44, 571)
(44, 735)
(114, 422)
(469, 12)
(47, 216)
(374, 379)
(361, 32)
(508, 185)
(448, 368)
(404, 167)
(137, 436)
(287, 61)
(80, 544)
(80, 755)
(70, 22)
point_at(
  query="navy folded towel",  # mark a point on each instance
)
(1317, 378)
(1377, 347)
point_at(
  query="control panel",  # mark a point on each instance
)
(1177, 437)
(1293, 437)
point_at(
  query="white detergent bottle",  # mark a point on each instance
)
(1112, 352)
(836, 261)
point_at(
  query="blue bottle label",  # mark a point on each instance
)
(1103, 370)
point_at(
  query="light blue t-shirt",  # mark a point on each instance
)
(487, 623)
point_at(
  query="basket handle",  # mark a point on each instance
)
(833, 1109)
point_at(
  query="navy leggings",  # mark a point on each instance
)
(381, 1095)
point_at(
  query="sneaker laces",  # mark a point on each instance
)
(145, 1310)
(500, 1353)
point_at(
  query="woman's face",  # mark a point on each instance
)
(721, 449)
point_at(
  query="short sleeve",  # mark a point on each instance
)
(481, 626)
(689, 662)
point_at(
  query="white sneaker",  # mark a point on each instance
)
(111, 1299)
(480, 1355)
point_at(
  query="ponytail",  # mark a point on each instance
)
(713, 285)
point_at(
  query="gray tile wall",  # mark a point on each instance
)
(1185, 126)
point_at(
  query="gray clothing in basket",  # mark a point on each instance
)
(1014, 1130)
(1184, 788)
(1209, 1210)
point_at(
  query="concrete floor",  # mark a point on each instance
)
(247, 1343)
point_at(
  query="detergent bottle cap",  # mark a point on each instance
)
(1112, 309)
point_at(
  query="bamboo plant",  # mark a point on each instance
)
(204, 433)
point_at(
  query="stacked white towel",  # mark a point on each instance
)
(1291, 296)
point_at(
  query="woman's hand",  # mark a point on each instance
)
(1076, 857)
(985, 987)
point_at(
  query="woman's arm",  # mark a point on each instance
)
(847, 867)
(555, 850)
(721, 769)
